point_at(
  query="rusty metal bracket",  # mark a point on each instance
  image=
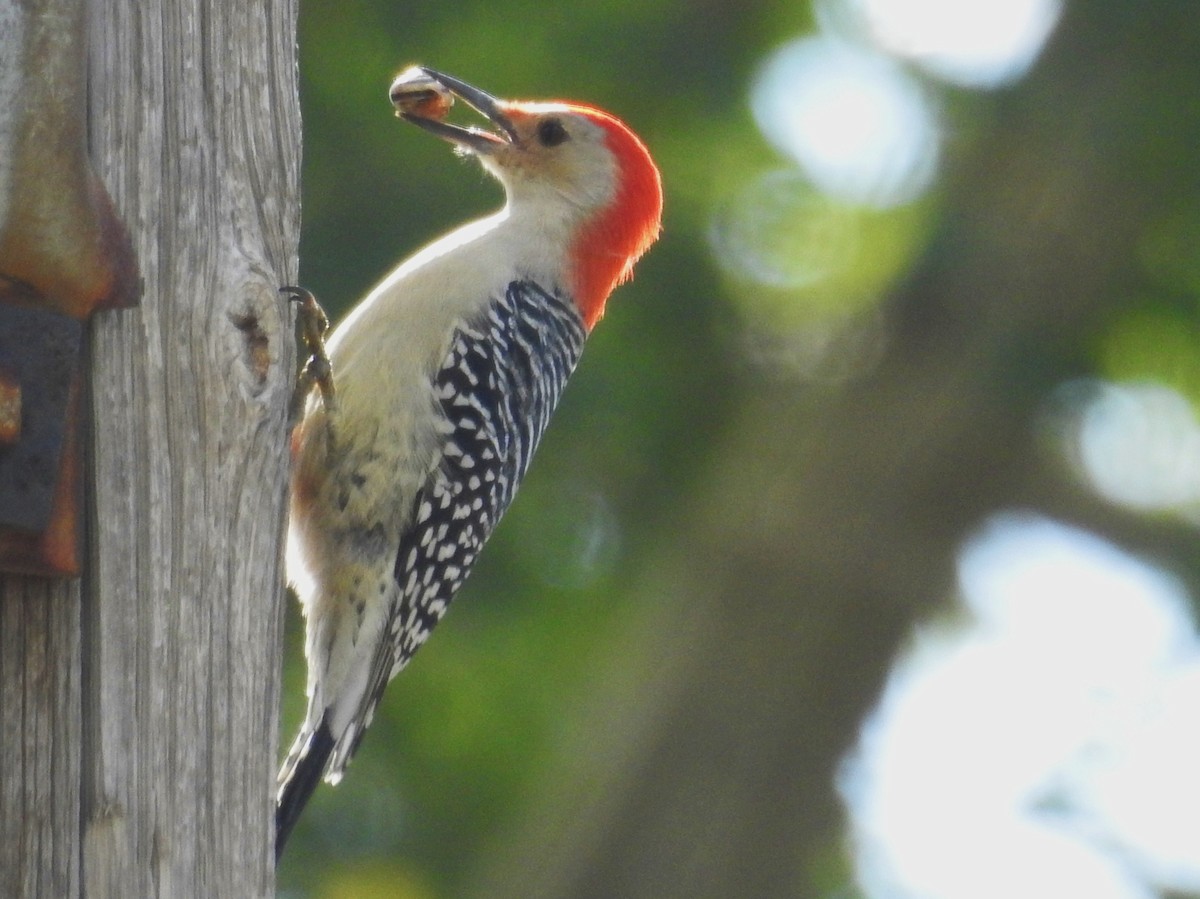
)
(64, 254)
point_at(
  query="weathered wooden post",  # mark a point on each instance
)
(138, 700)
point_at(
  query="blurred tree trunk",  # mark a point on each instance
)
(139, 702)
(832, 524)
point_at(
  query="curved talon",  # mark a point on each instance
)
(316, 369)
(292, 292)
(313, 320)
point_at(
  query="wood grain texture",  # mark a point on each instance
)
(39, 745)
(40, 721)
(139, 704)
(196, 106)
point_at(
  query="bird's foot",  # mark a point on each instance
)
(316, 370)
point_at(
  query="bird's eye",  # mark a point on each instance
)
(551, 133)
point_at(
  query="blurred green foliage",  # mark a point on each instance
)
(463, 737)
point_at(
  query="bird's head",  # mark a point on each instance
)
(579, 166)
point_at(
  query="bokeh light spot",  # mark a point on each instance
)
(858, 125)
(1137, 444)
(1019, 752)
(778, 231)
(974, 43)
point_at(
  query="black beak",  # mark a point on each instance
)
(470, 138)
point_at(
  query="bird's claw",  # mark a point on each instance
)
(316, 370)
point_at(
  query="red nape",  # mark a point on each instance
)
(606, 248)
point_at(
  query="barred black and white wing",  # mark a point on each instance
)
(497, 389)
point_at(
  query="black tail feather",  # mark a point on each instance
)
(302, 780)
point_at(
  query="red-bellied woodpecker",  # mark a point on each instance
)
(446, 375)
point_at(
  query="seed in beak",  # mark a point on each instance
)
(414, 93)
